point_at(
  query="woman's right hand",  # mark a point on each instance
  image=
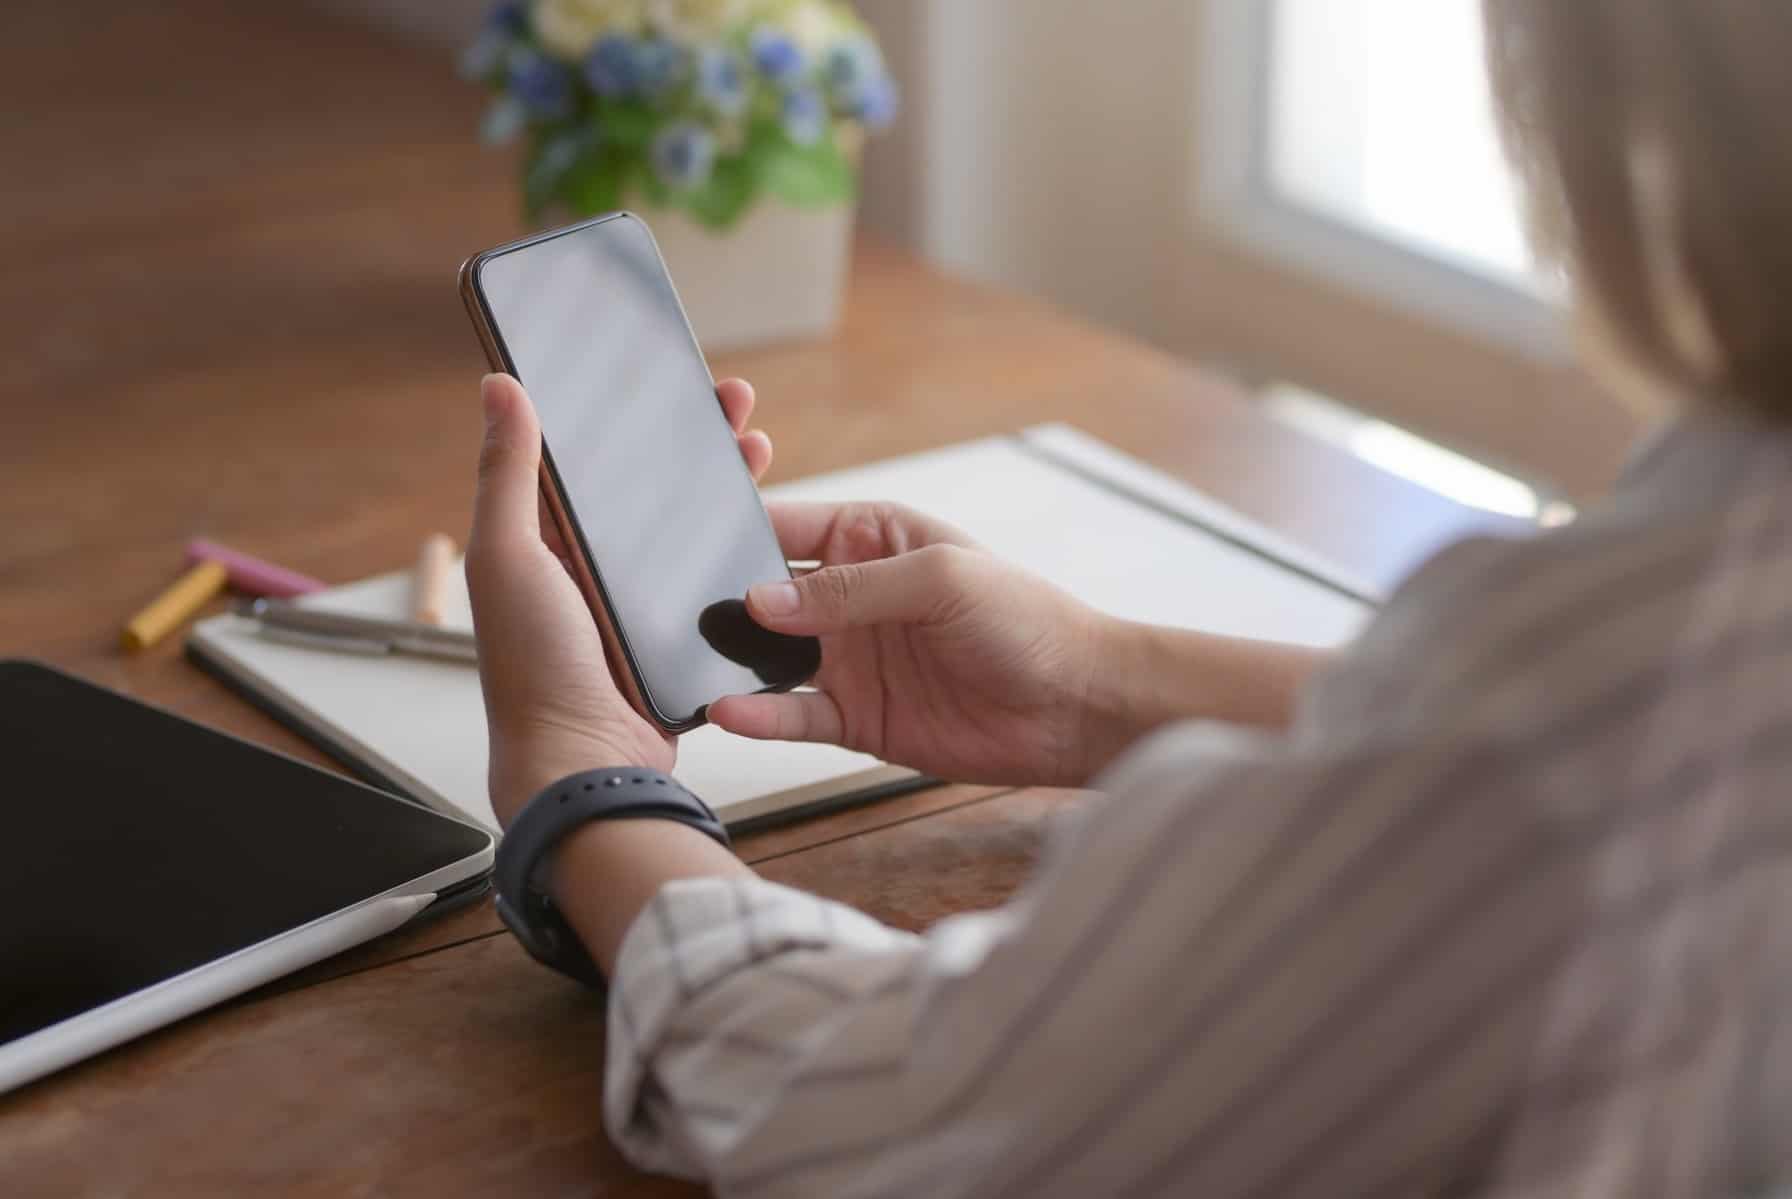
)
(935, 654)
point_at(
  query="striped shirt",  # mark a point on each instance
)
(1504, 913)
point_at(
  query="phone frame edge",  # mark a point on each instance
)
(586, 573)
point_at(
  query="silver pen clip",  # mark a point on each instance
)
(316, 628)
(339, 645)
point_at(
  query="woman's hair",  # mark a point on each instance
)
(1656, 137)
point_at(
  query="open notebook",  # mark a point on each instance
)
(1120, 535)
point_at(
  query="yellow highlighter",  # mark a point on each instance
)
(176, 605)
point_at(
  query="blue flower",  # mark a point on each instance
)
(721, 81)
(610, 68)
(684, 155)
(543, 86)
(877, 103)
(561, 151)
(852, 64)
(503, 120)
(776, 55)
(485, 55)
(508, 17)
(621, 67)
(805, 116)
(659, 65)
(858, 82)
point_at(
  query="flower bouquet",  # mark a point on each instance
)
(703, 106)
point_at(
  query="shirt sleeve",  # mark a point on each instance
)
(1249, 972)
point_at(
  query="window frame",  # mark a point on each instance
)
(1238, 200)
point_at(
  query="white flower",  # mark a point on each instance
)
(814, 25)
(567, 28)
(697, 20)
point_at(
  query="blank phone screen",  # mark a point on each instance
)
(670, 519)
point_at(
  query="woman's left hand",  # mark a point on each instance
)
(552, 706)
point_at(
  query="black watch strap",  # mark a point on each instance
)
(610, 794)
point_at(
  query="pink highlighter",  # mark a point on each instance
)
(252, 576)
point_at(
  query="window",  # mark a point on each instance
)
(1356, 139)
(1380, 115)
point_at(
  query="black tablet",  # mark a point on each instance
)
(152, 867)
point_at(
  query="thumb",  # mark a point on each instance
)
(506, 508)
(906, 589)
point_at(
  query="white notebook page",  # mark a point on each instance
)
(421, 724)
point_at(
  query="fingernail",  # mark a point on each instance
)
(776, 599)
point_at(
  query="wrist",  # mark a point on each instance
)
(520, 772)
(1114, 709)
(1147, 676)
(603, 875)
(586, 854)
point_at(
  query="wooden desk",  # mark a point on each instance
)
(230, 310)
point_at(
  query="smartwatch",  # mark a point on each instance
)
(619, 793)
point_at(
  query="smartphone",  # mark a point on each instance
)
(639, 468)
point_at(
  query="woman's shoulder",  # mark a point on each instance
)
(1510, 629)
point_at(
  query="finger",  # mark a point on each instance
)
(756, 448)
(737, 398)
(505, 509)
(804, 530)
(798, 716)
(857, 532)
(906, 589)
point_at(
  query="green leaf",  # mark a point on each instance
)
(594, 186)
(631, 124)
(807, 176)
(642, 180)
(721, 202)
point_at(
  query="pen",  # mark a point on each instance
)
(317, 629)
(252, 576)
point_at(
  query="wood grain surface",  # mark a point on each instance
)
(446, 1072)
(231, 239)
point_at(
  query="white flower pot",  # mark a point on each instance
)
(779, 275)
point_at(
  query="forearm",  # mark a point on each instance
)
(1149, 676)
(605, 874)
